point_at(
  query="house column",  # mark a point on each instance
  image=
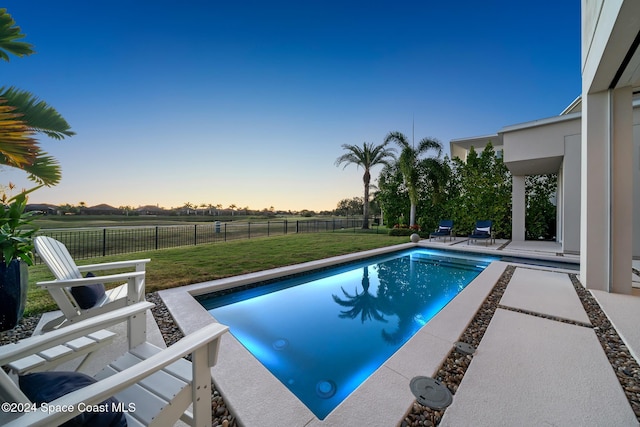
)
(622, 191)
(607, 190)
(518, 208)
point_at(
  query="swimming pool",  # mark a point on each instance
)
(323, 333)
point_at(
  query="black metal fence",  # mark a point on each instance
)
(84, 243)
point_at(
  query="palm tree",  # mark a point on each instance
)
(126, 209)
(408, 164)
(367, 156)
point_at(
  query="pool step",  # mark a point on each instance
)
(459, 263)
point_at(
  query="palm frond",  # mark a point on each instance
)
(39, 116)
(18, 148)
(45, 170)
(367, 156)
(397, 137)
(9, 34)
(427, 144)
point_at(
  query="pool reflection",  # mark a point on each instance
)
(363, 304)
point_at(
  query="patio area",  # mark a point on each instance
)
(521, 346)
(539, 361)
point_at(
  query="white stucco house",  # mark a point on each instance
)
(593, 146)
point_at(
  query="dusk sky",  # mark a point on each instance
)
(249, 102)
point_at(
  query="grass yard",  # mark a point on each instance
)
(186, 265)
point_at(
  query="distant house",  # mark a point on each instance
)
(151, 210)
(102, 209)
(43, 208)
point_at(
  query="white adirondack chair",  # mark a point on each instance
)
(69, 275)
(158, 383)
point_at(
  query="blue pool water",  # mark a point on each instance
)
(322, 334)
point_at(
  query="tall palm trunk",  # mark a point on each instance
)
(413, 198)
(412, 215)
(366, 178)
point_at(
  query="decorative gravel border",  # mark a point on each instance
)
(455, 365)
(24, 329)
(623, 363)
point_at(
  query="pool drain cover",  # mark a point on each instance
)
(464, 348)
(430, 392)
(326, 389)
(280, 344)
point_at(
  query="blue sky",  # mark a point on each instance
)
(249, 102)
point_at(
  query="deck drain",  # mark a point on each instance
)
(464, 348)
(326, 389)
(430, 393)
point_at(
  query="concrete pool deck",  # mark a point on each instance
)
(527, 370)
(554, 367)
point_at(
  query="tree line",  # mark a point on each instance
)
(417, 188)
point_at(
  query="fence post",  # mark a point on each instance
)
(267, 228)
(104, 241)
(195, 234)
(297, 226)
(248, 229)
(156, 237)
(225, 231)
(286, 224)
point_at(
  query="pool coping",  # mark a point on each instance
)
(257, 397)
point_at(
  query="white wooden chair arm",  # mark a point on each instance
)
(107, 387)
(36, 343)
(113, 265)
(120, 277)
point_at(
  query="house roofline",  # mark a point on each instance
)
(541, 122)
(573, 105)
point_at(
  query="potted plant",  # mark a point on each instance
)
(16, 253)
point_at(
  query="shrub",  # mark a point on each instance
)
(401, 232)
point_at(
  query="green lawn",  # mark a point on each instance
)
(193, 264)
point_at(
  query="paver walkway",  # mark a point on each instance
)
(535, 370)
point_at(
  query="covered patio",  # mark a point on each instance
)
(593, 146)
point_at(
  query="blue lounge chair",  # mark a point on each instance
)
(445, 229)
(483, 231)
